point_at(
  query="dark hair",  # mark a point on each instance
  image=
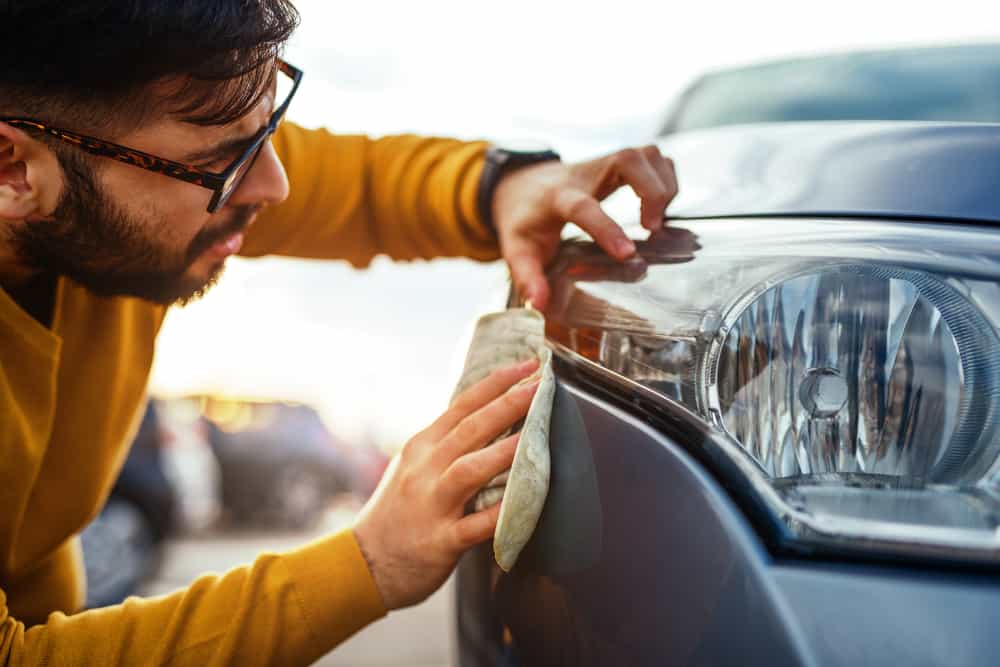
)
(94, 64)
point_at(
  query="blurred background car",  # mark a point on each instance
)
(123, 545)
(190, 465)
(200, 464)
(279, 464)
(776, 436)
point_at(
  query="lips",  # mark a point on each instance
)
(227, 246)
(224, 239)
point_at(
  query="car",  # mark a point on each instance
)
(279, 465)
(941, 83)
(775, 438)
(190, 465)
(123, 546)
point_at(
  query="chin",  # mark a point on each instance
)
(195, 287)
(179, 290)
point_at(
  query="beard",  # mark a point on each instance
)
(92, 241)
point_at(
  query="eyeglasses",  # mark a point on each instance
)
(222, 184)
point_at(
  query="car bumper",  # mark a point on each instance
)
(643, 557)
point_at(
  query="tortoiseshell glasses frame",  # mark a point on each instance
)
(222, 184)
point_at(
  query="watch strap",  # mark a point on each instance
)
(499, 163)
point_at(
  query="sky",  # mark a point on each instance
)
(377, 351)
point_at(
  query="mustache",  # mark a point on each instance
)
(209, 236)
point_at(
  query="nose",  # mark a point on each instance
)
(265, 183)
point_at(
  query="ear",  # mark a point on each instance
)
(30, 176)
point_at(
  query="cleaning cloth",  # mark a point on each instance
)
(502, 339)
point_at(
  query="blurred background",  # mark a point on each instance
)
(278, 398)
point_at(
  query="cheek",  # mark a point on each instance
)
(171, 211)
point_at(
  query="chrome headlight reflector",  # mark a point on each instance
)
(852, 369)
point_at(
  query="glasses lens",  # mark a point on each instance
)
(284, 89)
(234, 180)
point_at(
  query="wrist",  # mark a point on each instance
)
(368, 549)
(500, 163)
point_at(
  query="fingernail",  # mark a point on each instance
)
(626, 247)
(526, 365)
(528, 384)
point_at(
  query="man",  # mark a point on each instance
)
(136, 155)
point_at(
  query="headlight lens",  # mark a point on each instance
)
(854, 372)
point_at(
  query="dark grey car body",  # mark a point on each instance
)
(651, 549)
(684, 578)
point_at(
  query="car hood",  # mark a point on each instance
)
(946, 171)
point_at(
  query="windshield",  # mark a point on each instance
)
(937, 84)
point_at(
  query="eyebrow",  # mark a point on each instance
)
(225, 148)
(237, 145)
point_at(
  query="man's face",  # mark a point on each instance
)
(119, 230)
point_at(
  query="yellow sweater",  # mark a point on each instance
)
(70, 398)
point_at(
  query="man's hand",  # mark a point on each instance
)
(414, 528)
(532, 204)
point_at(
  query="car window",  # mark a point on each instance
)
(935, 84)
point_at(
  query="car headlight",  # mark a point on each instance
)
(851, 370)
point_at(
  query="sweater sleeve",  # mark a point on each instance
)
(284, 609)
(353, 198)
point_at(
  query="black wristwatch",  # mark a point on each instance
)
(500, 162)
